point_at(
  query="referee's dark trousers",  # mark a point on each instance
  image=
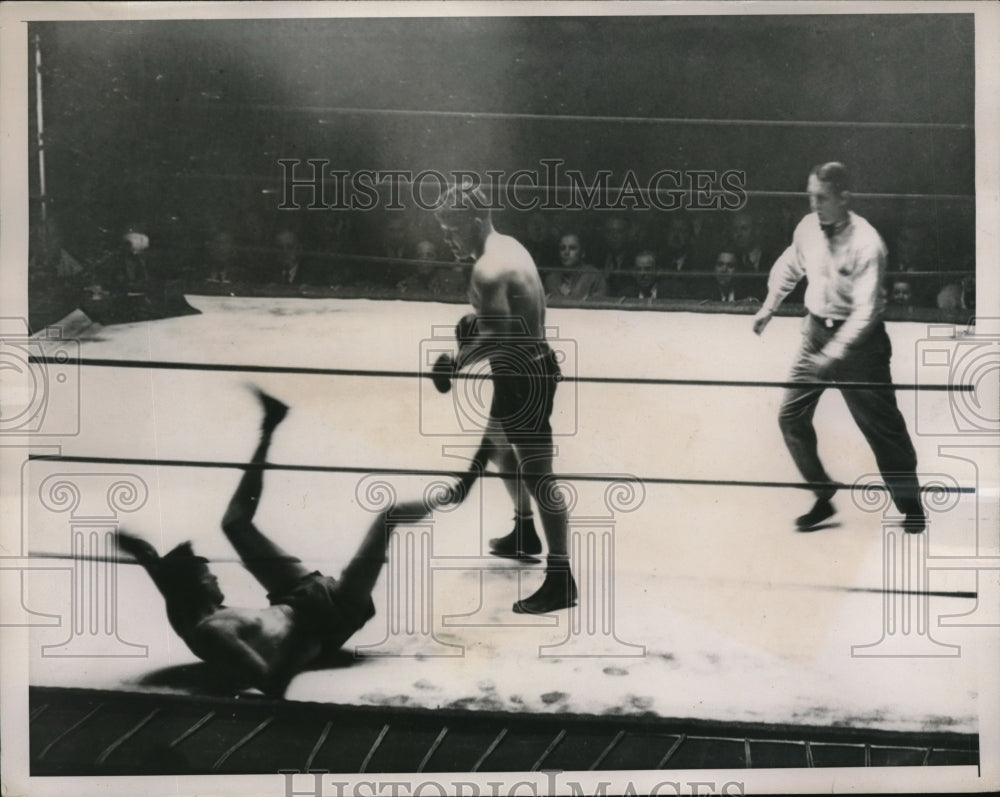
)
(875, 411)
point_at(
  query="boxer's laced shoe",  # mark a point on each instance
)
(521, 543)
(821, 510)
(274, 410)
(914, 522)
(558, 591)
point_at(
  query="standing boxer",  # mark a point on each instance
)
(844, 340)
(509, 299)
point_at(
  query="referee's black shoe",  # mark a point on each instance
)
(821, 510)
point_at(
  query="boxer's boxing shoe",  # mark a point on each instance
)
(274, 410)
(558, 591)
(821, 510)
(914, 522)
(522, 543)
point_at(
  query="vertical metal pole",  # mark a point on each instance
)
(41, 129)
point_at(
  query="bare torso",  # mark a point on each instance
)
(256, 644)
(505, 283)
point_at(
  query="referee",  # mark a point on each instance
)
(843, 259)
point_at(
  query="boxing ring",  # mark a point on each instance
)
(698, 601)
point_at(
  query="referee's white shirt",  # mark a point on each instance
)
(845, 273)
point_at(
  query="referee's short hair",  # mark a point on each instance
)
(834, 173)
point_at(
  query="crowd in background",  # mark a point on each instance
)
(584, 258)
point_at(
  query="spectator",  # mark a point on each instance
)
(616, 251)
(910, 250)
(645, 279)
(426, 252)
(292, 268)
(911, 254)
(446, 282)
(540, 243)
(391, 240)
(221, 258)
(336, 230)
(575, 279)
(960, 295)
(450, 282)
(746, 239)
(252, 230)
(677, 259)
(131, 283)
(396, 238)
(420, 272)
(137, 256)
(901, 294)
(127, 269)
(744, 236)
(724, 287)
(679, 240)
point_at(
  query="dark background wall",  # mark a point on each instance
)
(179, 124)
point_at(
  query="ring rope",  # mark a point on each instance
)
(544, 187)
(168, 365)
(232, 560)
(582, 477)
(699, 273)
(467, 265)
(658, 120)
